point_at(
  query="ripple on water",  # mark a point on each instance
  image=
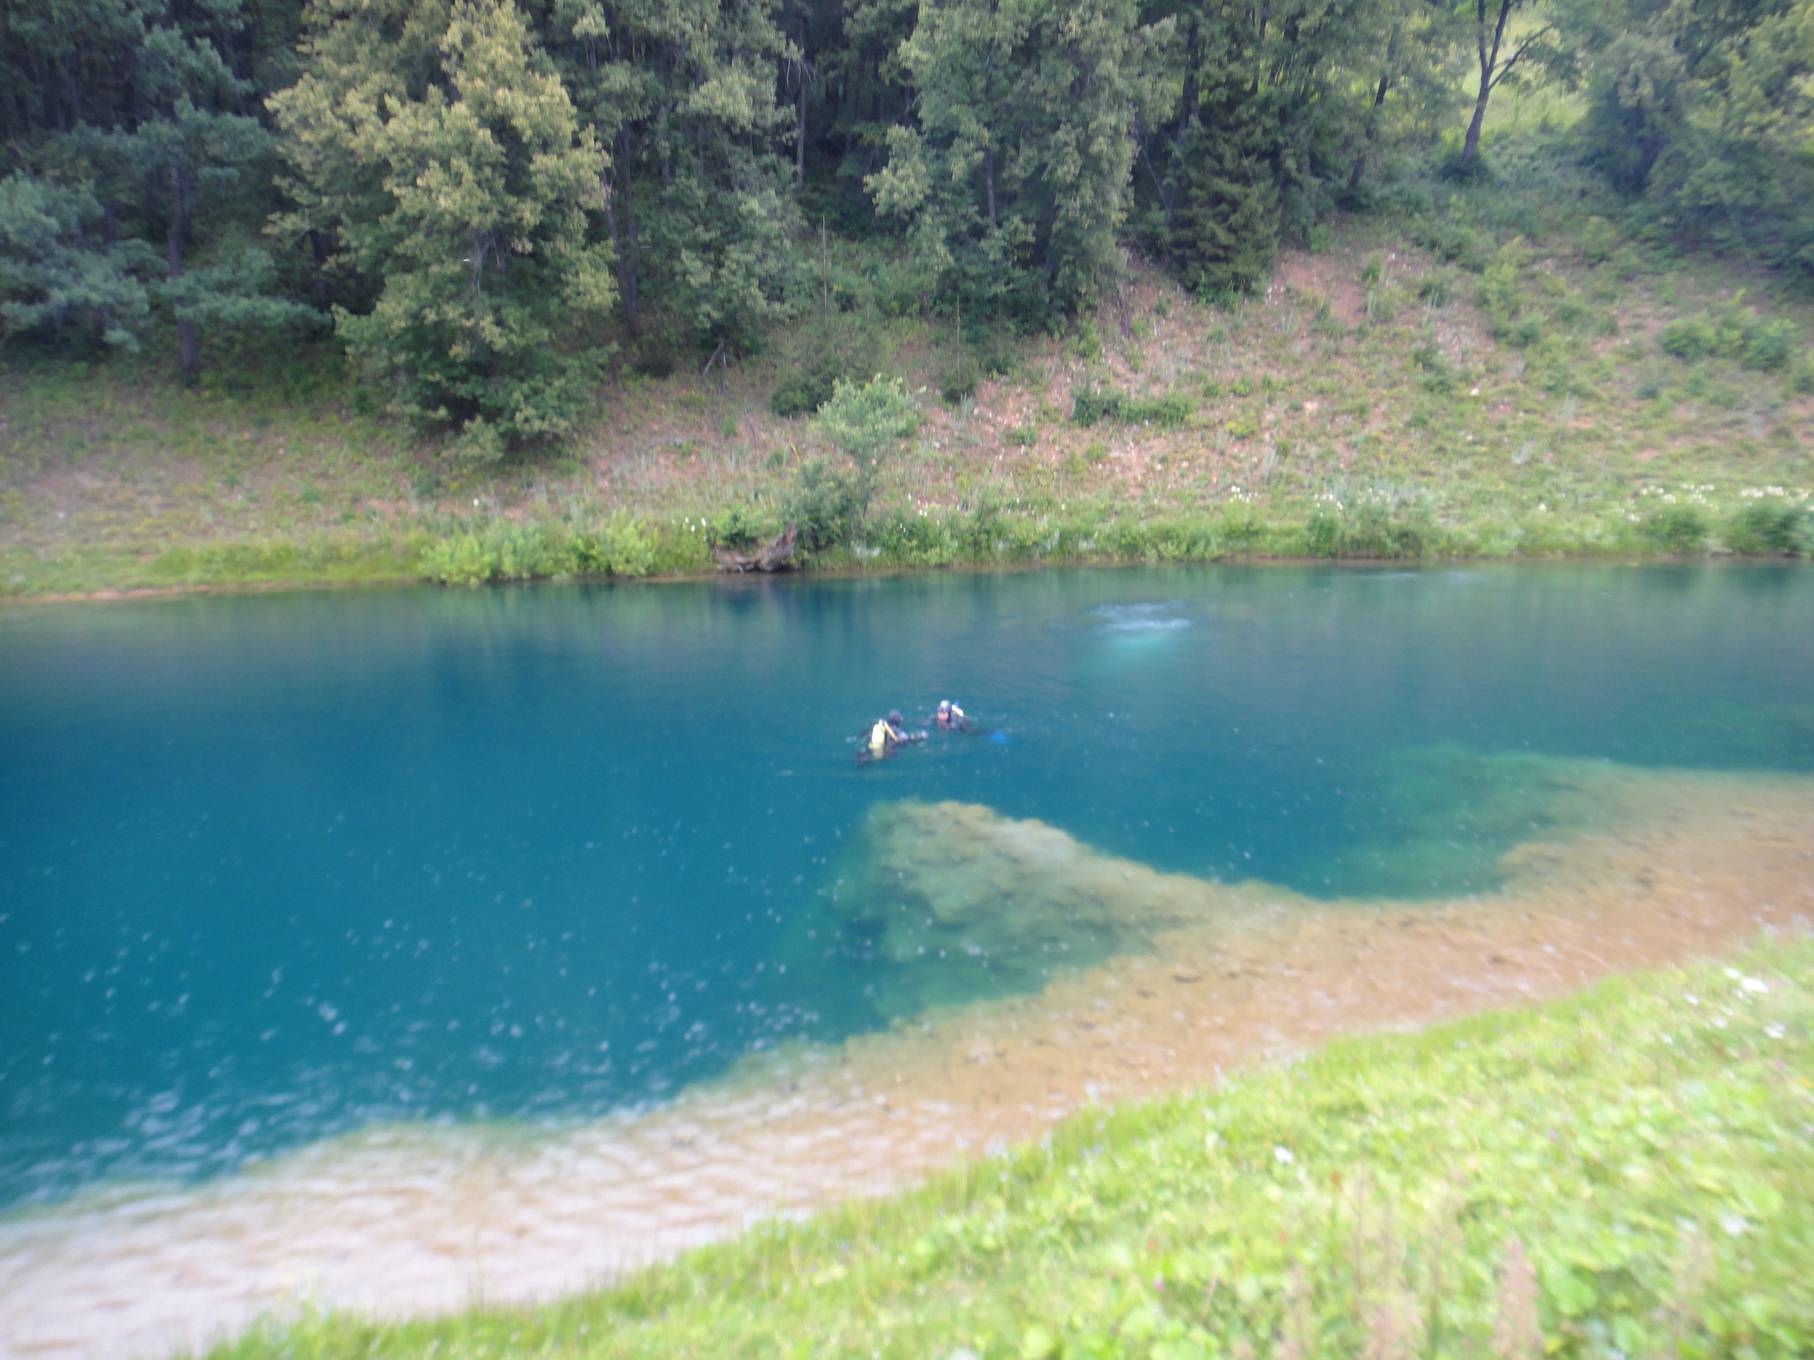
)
(418, 1216)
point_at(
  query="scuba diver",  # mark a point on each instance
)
(885, 735)
(951, 718)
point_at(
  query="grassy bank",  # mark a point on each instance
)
(1628, 1172)
(1495, 371)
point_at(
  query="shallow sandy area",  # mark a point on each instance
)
(1656, 867)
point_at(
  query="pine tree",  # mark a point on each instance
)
(136, 106)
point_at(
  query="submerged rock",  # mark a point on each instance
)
(962, 901)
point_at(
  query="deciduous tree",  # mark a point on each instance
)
(433, 145)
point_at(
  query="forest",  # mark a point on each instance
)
(483, 204)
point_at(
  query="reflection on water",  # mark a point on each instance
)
(1191, 976)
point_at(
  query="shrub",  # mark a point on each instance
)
(1502, 291)
(1680, 530)
(735, 528)
(910, 539)
(615, 548)
(827, 506)
(1322, 534)
(864, 419)
(1736, 332)
(960, 378)
(1433, 290)
(502, 551)
(1598, 240)
(1092, 405)
(842, 348)
(1770, 345)
(1766, 528)
(1689, 339)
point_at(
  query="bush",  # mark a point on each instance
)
(1770, 346)
(1502, 292)
(1092, 405)
(1372, 532)
(615, 548)
(840, 349)
(1766, 528)
(960, 379)
(735, 528)
(827, 506)
(1735, 332)
(1322, 534)
(1679, 530)
(910, 539)
(1689, 339)
(864, 419)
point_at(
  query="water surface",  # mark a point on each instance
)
(279, 868)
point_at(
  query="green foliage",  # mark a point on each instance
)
(1679, 530)
(59, 277)
(830, 350)
(438, 148)
(1768, 527)
(1010, 183)
(1223, 228)
(866, 420)
(1700, 114)
(736, 528)
(826, 506)
(500, 550)
(1094, 405)
(683, 99)
(1504, 291)
(1734, 332)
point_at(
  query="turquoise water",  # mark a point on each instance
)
(281, 866)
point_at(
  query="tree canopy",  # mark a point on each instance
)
(481, 198)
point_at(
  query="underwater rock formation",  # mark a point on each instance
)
(963, 902)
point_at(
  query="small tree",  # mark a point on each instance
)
(865, 421)
(1496, 56)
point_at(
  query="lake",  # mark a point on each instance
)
(385, 948)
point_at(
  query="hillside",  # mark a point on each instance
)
(1428, 383)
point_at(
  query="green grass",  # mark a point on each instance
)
(1628, 1172)
(1498, 370)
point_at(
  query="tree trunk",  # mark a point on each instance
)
(1372, 131)
(1488, 58)
(1471, 143)
(989, 181)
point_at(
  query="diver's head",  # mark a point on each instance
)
(894, 716)
(944, 706)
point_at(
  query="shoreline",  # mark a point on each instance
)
(852, 571)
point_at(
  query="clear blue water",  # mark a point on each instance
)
(273, 867)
